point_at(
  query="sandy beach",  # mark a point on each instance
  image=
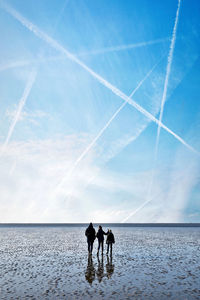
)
(53, 263)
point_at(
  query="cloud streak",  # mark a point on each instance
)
(170, 58)
(22, 63)
(21, 104)
(53, 43)
(123, 47)
(15, 64)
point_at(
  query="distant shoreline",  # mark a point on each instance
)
(103, 224)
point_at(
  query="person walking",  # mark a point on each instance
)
(109, 241)
(100, 237)
(91, 235)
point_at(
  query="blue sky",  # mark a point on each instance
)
(74, 146)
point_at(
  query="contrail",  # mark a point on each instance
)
(53, 43)
(60, 15)
(22, 102)
(15, 64)
(21, 63)
(123, 47)
(136, 210)
(108, 123)
(170, 58)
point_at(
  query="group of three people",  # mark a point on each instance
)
(91, 236)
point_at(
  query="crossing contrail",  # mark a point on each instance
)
(170, 58)
(21, 104)
(107, 124)
(123, 47)
(53, 43)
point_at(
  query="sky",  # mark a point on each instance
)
(100, 111)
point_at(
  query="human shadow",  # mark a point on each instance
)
(90, 271)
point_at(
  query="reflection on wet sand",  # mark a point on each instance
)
(90, 271)
(109, 267)
(100, 274)
(100, 269)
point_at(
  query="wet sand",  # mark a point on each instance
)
(53, 263)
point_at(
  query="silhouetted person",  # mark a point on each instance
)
(91, 235)
(100, 237)
(100, 269)
(109, 241)
(109, 267)
(90, 271)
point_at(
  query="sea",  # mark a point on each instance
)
(148, 261)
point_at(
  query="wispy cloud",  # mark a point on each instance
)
(171, 194)
(111, 196)
(33, 28)
(36, 165)
(179, 192)
(26, 115)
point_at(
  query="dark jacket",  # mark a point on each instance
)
(110, 238)
(90, 233)
(100, 235)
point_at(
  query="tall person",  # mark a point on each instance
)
(91, 235)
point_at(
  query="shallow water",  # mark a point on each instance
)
(53, 263)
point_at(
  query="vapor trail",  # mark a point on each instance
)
(170, 58)
(60, 15)
(107, 124)
(21, 104)
(53, 43)
(135, 211)
(14, 65)
(22, 63)
(123, 47)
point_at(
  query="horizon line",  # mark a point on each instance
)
(171, 224)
